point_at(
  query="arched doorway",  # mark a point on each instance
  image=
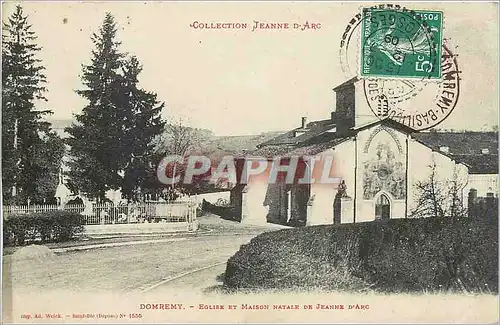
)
(383, 207)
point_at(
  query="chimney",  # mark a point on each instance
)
(304, 122)
(444, 149)
(345, 108)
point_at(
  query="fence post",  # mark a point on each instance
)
(189, 216)
(102, 215)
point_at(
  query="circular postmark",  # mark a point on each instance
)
(420, 100)
(427, 108)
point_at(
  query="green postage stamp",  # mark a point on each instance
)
(401, 43)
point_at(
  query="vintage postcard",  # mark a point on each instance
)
(249, 162)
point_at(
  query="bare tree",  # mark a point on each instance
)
(430, 196)
(177, 139)
(437, 198)
(455, 187)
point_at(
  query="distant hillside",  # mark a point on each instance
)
(212, 144)
(239, 143)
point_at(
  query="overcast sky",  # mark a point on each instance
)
(244, 82)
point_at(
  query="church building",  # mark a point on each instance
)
(380, 163)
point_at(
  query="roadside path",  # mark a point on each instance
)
(134, 265)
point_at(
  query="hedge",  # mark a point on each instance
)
(44, 227)
(398, 255)
(225, 212)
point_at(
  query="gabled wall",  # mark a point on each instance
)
(321, 212)
(421, 158)
(382, 154)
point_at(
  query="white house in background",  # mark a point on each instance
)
(63, 193)
(478, 150)
(380, 162)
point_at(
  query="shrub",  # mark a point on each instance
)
(399, 255)
(45, 227)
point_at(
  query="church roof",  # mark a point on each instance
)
(478, 150)
(323, 131)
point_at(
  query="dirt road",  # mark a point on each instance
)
(134, 267)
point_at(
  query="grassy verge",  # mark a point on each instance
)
(405, 255)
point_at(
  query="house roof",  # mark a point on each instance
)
(270, 151)
(460, 143)
(480, 163)
(478, 150)
(282, 150)
(312, 130)
(313, 149)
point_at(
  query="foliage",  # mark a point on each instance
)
(110, 140)
(94, 136)
(142, 125)
(45, 227)
(31, 153)
(398, 255)
(46, 164)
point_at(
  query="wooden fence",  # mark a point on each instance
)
(99, 214)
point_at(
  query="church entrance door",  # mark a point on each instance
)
(382, 207)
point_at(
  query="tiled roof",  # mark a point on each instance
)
(480, 163)
(460, 143)
(312, 130)
(285, 150)
(270, 151)
(466, 147)
(313, 149)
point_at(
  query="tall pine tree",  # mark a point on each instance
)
(110, 139)
(25, 135)
(142, 121)
(95, 135)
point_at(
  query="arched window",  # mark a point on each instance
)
(382, 207)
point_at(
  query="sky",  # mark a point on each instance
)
(235, 81)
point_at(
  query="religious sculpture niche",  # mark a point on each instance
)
(342, 190)
(384, 172)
